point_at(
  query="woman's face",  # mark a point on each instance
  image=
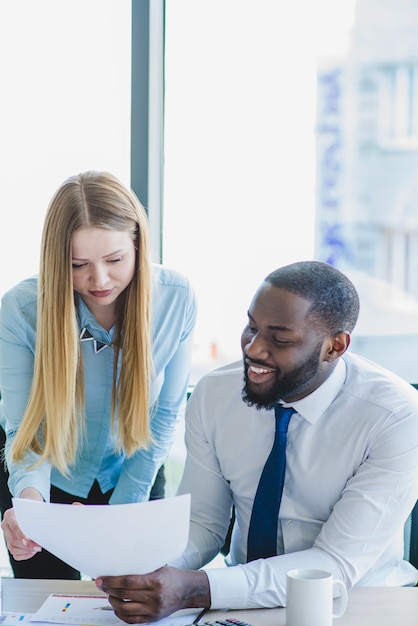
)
(103, 266)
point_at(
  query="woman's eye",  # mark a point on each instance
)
(76, 266)
(115, 260)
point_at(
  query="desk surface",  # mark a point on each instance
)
(367, 606)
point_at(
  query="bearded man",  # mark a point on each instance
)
(348, 454)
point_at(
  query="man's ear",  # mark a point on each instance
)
(338, 345)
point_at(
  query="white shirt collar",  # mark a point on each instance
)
(312, 406)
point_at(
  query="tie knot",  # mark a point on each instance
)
(283, 415)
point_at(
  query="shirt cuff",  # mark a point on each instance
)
(228, 587)
(31, 480)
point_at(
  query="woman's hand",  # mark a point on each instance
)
(20, 546)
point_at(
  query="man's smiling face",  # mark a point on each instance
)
(284, 351)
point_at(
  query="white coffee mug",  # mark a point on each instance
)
(309, 598)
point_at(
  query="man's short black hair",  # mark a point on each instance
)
(335, 302)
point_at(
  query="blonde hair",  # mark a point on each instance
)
(53, 423)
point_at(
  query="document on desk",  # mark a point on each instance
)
(109, 540)
(84, 611)
(92, 611)
(70, 609)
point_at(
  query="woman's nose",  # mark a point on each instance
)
(99, 276)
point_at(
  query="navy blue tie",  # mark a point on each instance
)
(262, 533)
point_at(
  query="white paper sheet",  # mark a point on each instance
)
(109, 540)
(180, 618)
(87, 610)
(67, 609)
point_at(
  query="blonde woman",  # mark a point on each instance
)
(94, 362)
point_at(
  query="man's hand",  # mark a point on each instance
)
(150, 597)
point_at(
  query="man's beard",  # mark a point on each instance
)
(290, 385)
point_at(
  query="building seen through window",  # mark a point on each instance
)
(297, 141)
(367, 164)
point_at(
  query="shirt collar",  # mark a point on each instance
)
(311, 407)
(87, 319)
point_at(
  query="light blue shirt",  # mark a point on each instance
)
(173, 320)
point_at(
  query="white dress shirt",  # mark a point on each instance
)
(351, 481)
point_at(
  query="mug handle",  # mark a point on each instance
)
(341, 599)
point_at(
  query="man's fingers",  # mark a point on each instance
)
(121, 586)
(135, 612)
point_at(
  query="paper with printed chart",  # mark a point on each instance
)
(109, 540)
(88, 611)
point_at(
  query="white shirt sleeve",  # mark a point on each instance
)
(262, 583)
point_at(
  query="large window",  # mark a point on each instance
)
(240, 99)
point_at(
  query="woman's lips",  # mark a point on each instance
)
(101, 294)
